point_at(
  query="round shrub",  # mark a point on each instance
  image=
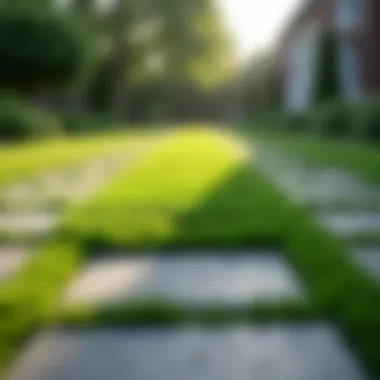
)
(38, 50)
(20, 121)
(333, 119)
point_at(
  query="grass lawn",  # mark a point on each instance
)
(360, 157)
(195, 189)
(23, 160)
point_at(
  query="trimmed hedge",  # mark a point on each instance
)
(20, 121)
(367, 120)
(332, 119)
(339, 119)
(38, 50)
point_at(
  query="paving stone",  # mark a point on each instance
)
(20, 192)
(322, 185)
(28, 222)
(11, 259)
(369, 258)
(306, 183)
(286, 352)
(352, 223)
(191, 280)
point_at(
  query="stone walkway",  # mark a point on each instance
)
(194, 281)
(275, 352)
(358, 214)
(27, 210)
(310, 352)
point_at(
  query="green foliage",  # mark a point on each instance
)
(85, 124)
(20, 121)
(297, 121)
(38, 49)
(327, 78)
(367, 120)
(99, 89)
(332, 119)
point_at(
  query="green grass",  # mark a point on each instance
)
(195, 189)
(32, 295)
(25, 160)
(360, 157)
(161, 312)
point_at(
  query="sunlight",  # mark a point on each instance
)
(256, 23)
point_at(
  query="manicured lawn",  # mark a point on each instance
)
(195, 189)
(360, 157)
(22, 160)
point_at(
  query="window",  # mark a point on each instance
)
(348, 13)
(349, 69)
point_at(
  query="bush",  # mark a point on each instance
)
(327, 77)
(38, 50)
(333, 119)
(297, 121)
(20, 121)
(84, 123)
(367, 120)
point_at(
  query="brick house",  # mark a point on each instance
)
(355, 24)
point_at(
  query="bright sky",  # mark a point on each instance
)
(255, 23)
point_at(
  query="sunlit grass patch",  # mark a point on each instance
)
(20, 161)
(145, 204)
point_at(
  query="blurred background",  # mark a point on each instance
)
(90, 62)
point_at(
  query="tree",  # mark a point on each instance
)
(185, 38)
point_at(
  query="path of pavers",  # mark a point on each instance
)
(26, 208)
(307, 184)
(286, 352)
(326, 187)
(191, 280)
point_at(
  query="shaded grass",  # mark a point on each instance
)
(159, 312)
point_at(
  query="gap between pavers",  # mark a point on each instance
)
(286, 352)
(195, 281)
